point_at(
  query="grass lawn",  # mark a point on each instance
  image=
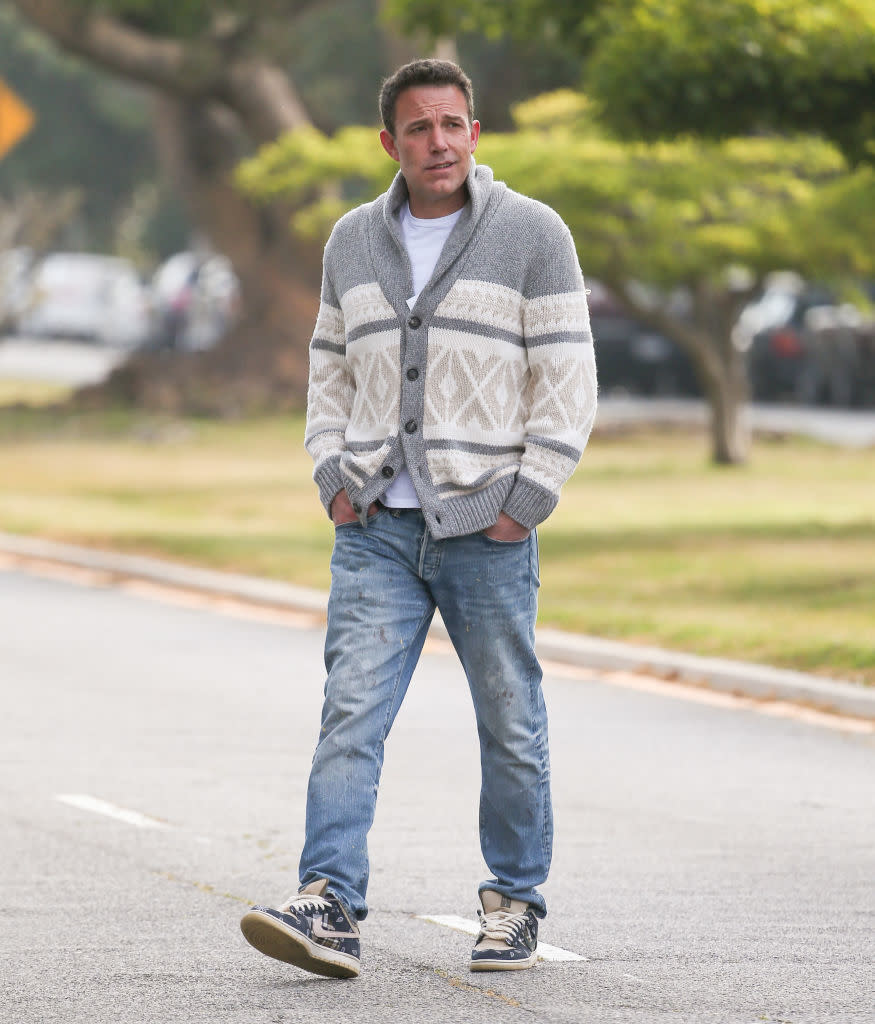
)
(772, 562)
(32, 392)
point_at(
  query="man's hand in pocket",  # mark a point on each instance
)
(342, 510)
(506, 529)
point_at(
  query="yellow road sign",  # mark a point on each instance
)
(16, 119)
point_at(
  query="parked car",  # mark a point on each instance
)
(195, 297)
(804, 345)
(845, 341)
(86, 296)
(632, 357)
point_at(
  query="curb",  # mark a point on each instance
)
(760, 682)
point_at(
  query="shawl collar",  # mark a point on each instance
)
(484, 193)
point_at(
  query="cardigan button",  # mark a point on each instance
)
(357, 509)
(388, 471)
(412, 373)
(410, 426)
(414, 322)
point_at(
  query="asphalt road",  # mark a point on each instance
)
(712, 864)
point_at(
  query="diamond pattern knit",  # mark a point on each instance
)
(486, 389)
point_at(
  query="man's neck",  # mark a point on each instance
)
(439, 208)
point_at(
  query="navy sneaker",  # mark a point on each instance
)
(313, 931)
(508, 938)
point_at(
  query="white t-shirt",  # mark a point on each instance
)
(424, 239)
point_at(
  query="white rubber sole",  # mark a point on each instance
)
(505, 965)
(274, 939)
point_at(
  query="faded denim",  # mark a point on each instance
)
(387, 580)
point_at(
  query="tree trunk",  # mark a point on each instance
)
(706, 338)
(261, 364)
(215, 102)
(730, 414)
(715, 312)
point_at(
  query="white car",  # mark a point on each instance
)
(87, 296)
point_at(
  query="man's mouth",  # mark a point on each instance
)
(440, 167)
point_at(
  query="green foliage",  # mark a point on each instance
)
(673, 212)
(562, 21)
(166, 17)
(335, 58)
(712, 68)
(345, 170)
(703, 214)
(666, 213)
(721, 67)
(185, 18)
(842, 219)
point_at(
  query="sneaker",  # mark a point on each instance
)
(508, 937)
(313, 931)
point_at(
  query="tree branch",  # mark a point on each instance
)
(696, 343)
(161, 62)
(264, 98)
(198, 70)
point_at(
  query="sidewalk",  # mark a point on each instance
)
(760, 682)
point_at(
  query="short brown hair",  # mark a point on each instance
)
(429, 71)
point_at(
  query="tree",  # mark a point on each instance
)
(226, 80)
(716, 68)
(566, 23)
(219, 93)
(712, 68)
(707, 69)
(704, 215)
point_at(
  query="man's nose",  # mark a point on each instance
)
(438, 141)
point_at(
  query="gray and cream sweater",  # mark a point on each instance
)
(486, 389)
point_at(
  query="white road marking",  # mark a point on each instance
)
(462, 924)
(92, 803)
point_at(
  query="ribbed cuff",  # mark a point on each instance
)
(529, 503)
(329, 480)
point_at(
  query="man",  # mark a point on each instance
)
(452, 391)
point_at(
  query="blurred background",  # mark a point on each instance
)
(731, 258)
(169, 173)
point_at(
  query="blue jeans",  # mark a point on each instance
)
(387, 579)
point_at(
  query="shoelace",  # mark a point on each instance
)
(501, 925)
(307, 904)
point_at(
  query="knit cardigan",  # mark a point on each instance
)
(485, 389)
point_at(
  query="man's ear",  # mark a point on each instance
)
(389, 145)
(475, 134)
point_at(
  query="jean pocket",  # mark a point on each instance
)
(509, 562)
(504, 543)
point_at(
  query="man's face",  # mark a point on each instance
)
(433, 142)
